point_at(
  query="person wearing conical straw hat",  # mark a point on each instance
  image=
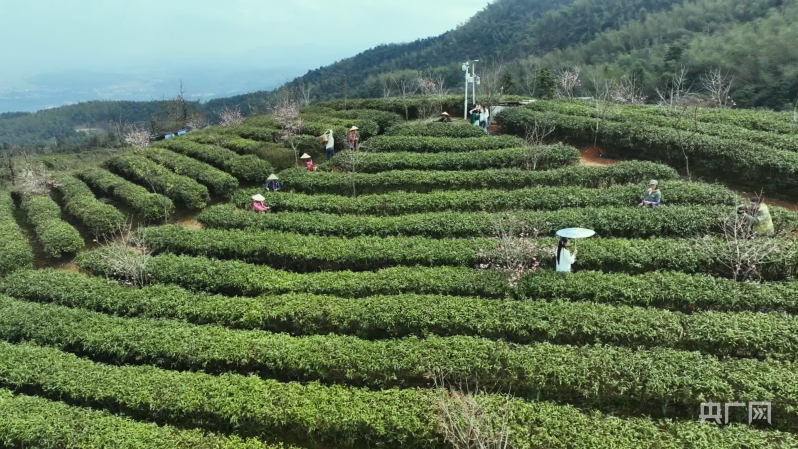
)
(445, 118)
(308, 162)
(257, 204)
(352, 138)
(653, 196)
(272, 183)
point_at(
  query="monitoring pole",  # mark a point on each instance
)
(465, 106)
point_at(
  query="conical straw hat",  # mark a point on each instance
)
(272, 178)
(258, 197)
(305, 156)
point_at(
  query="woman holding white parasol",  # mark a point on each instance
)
(564, 258)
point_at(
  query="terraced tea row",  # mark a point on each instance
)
(417, 144)
(150, 206)
(217, 181)
(57, 237)
(313, 253)
(611, 378)
(676, 291)
(247, 168)
(628, 222)
(336, 416)
(732, 160)
(542, 158)
(721, 334)
(15, 252)
(79, 201)
(422, 181)
(36, 422)
(531, 198)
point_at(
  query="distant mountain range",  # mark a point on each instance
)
(752, 40)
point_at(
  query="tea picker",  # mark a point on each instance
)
(563, 257)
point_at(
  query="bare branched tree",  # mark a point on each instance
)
(677, 98)
(491, 85)
(567, 80)
(530, 67)
(465, 422)
(718, 85)
(197, 120)
(230, 116)
(515, 253)
(304, 91)
(32, 177)
(178, 108)
(740, 253)
(628, 91)
(387, 86)
(286, 112)
(534, 139)
(125, 253)
(602, 92)
(407, 86)
(352, 162)
(136, 136)
(434, 90)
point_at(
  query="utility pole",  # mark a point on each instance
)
(470, 65)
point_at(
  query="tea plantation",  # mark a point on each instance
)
(359, 311)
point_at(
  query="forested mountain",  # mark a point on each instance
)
(754, 40)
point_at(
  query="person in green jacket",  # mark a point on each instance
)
(653, 196)
(758, 214)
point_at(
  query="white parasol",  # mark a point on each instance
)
(576, 233)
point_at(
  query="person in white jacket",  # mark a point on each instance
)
(484, 118)
(564, 257)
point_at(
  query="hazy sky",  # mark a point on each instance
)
(54, 35)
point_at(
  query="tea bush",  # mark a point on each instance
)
(731, 160)
(15, 252)
(313, 253)
(217, 181)
(436, 130)
(424, 181)
(151, 206)
(182, 189)
(532, 198)
(628, 222)
(378, 317)
(384, 119)
(57, 237)
(99, 218)
(248, 168)
(614, 378)
(548, 157)
(35, 422)
(415, 144)
(337, 416)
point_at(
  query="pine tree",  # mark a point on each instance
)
(508, 84)
(546, 83)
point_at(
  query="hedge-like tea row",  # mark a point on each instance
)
(217, 181)
(151, 206)
(319, 416)
(668, 290)
(616, 378)
(416, 144)
(685, 123)
(408, 107)
(182, 189)
(262, 120)
(732, 160)
(35, 422)
(436, 130)
(423, 181)
(674, 193)
(762, 121)
(317, 124)
(735, 334)
(240, 278)
(99, 218)
(628, 222)
(313, 253)
(248, 168)
(57, 237)
(258, 133)
(15, 252)
(383, 118)
(237, 144)
(547, 157)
